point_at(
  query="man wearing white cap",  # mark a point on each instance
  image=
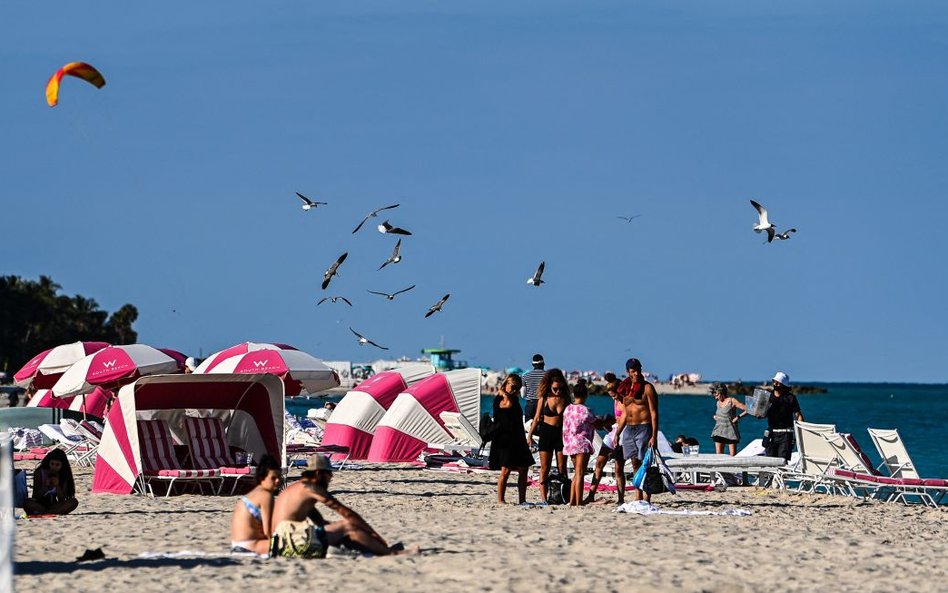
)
(784, 409)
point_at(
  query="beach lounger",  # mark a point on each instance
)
(817, 456)
(208, 449)
(896, 460)
(89, 438)
(159, 462)
(73, 446)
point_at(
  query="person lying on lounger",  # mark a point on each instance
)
(250, 527)
(301, 530)
(54, 490)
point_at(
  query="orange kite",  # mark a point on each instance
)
(77, 69)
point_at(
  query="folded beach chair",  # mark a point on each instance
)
(209, 449)
(896, 460)
(88, 437)
(159, 462)
(817, 456)
(73, 446)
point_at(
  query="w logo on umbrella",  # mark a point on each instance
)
(260, 363)
(109, 364)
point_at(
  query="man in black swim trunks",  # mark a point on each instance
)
(784, 409)
(300, 529)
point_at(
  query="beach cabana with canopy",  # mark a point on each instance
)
(250, 407)
(414, 419)
(352, 424)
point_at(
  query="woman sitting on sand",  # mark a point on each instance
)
(609, 449)
(725, 430)
(250, 526)
(508, 451)
(54, 490)
(579, 424)
(552, 399)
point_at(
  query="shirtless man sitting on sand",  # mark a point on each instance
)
(301, 530)
(639, 418)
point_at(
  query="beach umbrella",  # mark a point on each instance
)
(44, 369)
(302, 373)
(94, 404)
(44, 398)
(112, 366)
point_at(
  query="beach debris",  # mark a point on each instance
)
(364, 340)
(437, 306)
(388, 229)
(310, 204)
(395, 257)
(537, 278)
(90, 554)
(81, 70)
(373, 214)
(629, 219)
(392, 296)
(333, 269)
(763, 223)
(333, 300)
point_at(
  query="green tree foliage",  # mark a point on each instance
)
(35, 317)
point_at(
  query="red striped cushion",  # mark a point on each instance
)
(237, 471)
(208, 443)
(156, 446)
(185, 473)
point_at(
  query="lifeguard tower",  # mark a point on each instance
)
(442, 359)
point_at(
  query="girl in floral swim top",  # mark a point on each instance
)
(578, 428)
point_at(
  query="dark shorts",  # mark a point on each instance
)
(635, 441)
(780, 445)
(608, 453)
(723, 440)
(551, 437)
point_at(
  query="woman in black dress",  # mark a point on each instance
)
(509, 450)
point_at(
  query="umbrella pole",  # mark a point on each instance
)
(84, 407)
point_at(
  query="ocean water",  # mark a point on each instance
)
(919, 412)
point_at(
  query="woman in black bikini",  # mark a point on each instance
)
(553, 397)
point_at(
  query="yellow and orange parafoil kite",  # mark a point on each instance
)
(77, 69)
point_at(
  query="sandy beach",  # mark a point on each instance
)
(789, 542)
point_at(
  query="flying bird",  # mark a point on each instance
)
(333, 269)
(437, 306)
(385, 227)
(364, 340)
(763, 224)
(372, 214)
(537, 278)
(395, 257)
(333, 300)
(310, 204)
(629, 218)
(785, 235)
(392, 296)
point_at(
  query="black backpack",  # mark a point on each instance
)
(487, 429)
(557, 488)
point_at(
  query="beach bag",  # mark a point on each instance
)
(297, 539)
(654, 476)
(487, 429)
(557, 489)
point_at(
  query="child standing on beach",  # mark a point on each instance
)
(579, 422)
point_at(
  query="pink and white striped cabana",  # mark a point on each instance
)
(352, 424)
(413, 420)
(250, 406)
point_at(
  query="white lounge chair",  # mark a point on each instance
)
(817, 456)
(904, 477)
(72, 446)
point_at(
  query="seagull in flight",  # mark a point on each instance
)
(437, 306)
(385, 227)
(785, 235)
(372, 214)
(333, 300)
(395, 258)
(629, 218)
(763, 224)
(392, 296)
(364, 340)
(333, 269)
(537, 278)
(310, 204)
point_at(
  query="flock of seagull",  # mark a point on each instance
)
(763, 225)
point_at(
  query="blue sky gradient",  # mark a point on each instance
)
(510, 135)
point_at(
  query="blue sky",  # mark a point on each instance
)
(510, 135)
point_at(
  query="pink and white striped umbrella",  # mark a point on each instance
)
(112, 365)
(94, 404)
(44, 369)
(44, 398)
(301, 372)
